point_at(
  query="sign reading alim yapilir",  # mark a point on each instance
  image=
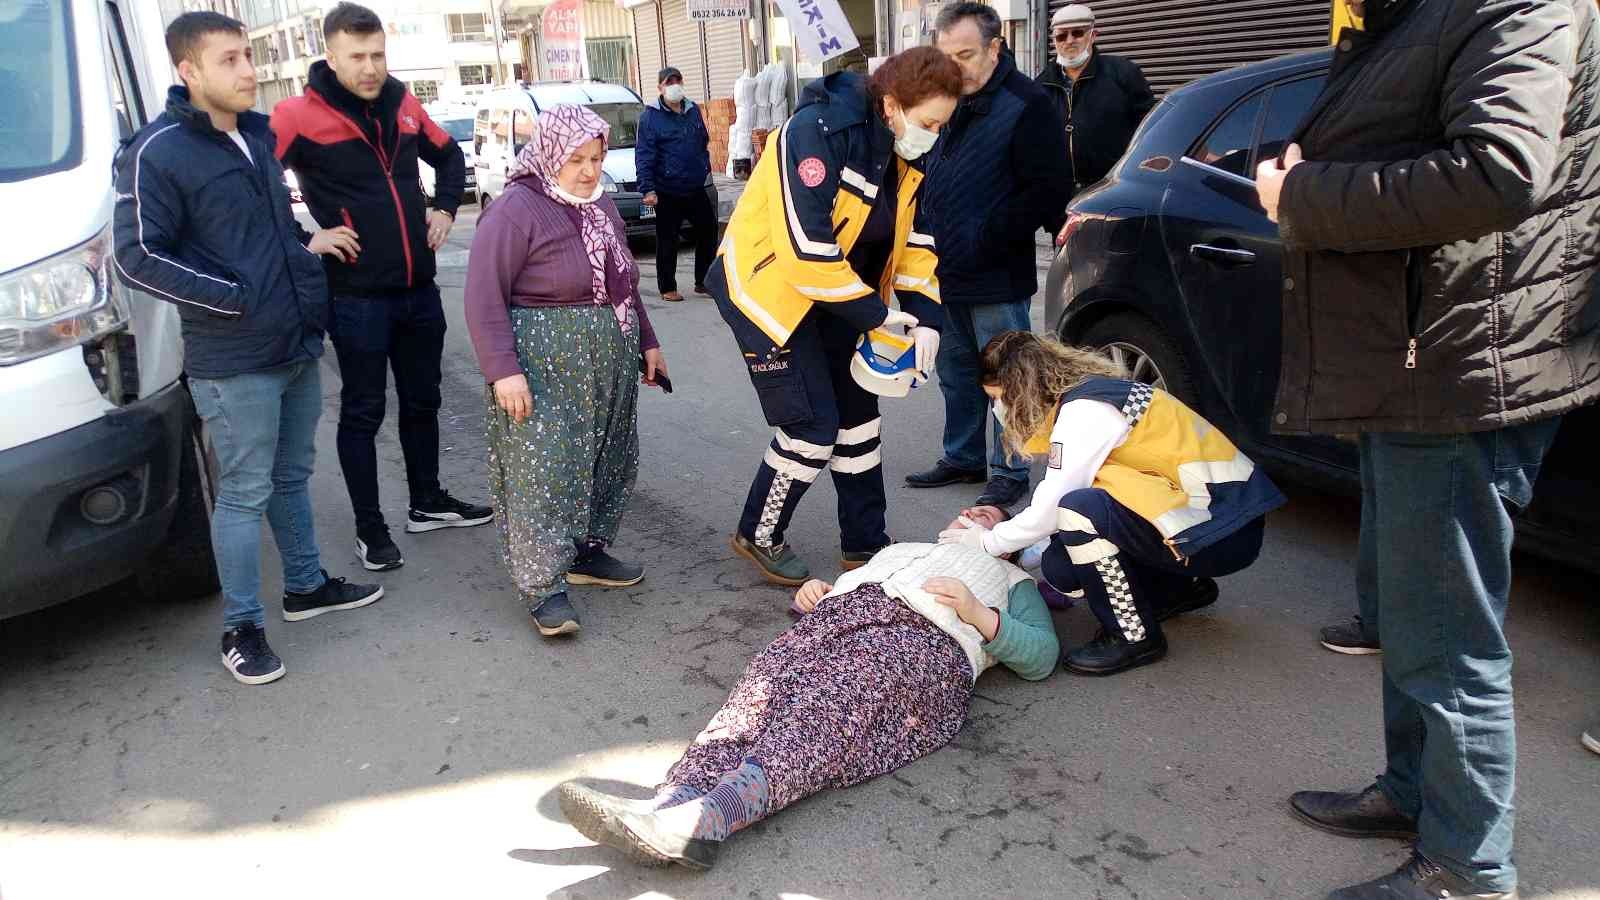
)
(718, 10)
(820, 28)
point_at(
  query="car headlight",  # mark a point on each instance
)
(59, 302)
(608, 184)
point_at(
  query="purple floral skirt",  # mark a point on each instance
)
(858, 688)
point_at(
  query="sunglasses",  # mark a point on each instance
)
(1072, 33)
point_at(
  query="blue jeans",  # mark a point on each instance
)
(263, 427)
(968, 327)
(1434, 577)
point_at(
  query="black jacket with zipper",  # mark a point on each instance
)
(357, 165)
(1102, 108)
(202, 226)
(1442, 238)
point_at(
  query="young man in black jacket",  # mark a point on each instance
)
(1102, 98)
(353, 140)
(997, 175)
(1440, 216)
(203, 221)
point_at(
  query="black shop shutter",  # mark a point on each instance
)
(1177, 41)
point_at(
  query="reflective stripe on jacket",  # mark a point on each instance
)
(803, 209)
(1176, 470)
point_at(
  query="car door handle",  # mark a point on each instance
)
(1225, 256)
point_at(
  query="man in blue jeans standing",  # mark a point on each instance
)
(1441, 257)
(203, 221)
(353, 140)
(998, 174)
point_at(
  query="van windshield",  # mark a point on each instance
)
(623, 119)
(39, 130)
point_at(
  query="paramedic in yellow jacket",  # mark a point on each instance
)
(1141, 498)
(825, 235)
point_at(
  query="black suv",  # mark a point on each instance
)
(1172, 266)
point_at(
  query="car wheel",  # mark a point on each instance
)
(1141, 347)
(185, 566)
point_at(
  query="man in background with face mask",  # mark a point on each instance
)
(673, 159)
(997, 175)
(353, 140)
(1102, 97)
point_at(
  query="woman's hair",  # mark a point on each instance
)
(1033, 372)
(913, 76)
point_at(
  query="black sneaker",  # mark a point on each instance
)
(850, 560)
(445, 511)
(1350, 638)
(1109, 654)
(942, 474)
(248, 658)
(555, 616)
(335, 594)
(1419, 879)
(376, 549)
(1003, 492)
(1201, 593)
(596, 566)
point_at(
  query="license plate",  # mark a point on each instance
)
(647, 212)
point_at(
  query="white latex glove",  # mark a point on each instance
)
(897, 317)
(971, 535)
(927, 349)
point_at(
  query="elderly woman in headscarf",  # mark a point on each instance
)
(553, 307)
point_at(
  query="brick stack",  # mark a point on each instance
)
(758, 142)
(720, 115)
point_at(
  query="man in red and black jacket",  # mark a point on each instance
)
(353, 141)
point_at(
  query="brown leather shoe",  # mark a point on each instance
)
(672, 297)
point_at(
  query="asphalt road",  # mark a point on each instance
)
(414, 747)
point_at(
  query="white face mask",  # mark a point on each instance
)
(673, 93)
(1075, 62)
(914, 141)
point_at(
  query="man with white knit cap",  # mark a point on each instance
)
(1102, 97)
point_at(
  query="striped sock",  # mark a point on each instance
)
(740, 798)
(675, 794)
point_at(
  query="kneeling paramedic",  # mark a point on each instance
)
(1143, 501)
(824, 236)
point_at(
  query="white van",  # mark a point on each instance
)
(104, 471)
(505, 122)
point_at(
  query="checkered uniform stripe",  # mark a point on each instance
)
(1120, 593)
(1139, 397)
(772, 509)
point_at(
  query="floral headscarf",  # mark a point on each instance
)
(559, 132)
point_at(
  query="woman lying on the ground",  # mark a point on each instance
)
(876, 675)
(1141, 500)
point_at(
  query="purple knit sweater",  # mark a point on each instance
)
(528, 252)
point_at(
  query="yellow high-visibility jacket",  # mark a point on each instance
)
(803, 209)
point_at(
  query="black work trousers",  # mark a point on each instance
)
(672, 210)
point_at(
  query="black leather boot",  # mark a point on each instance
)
(1109, 654)
(1367, 813)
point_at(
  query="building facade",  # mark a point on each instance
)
(444, 50)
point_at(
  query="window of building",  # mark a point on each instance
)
(426, 91)
(261, 49)
(608, 59)
(474, 74)
(468, 27)
(281, 46)
(314, 38)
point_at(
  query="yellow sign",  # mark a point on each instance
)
(1342, 19)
